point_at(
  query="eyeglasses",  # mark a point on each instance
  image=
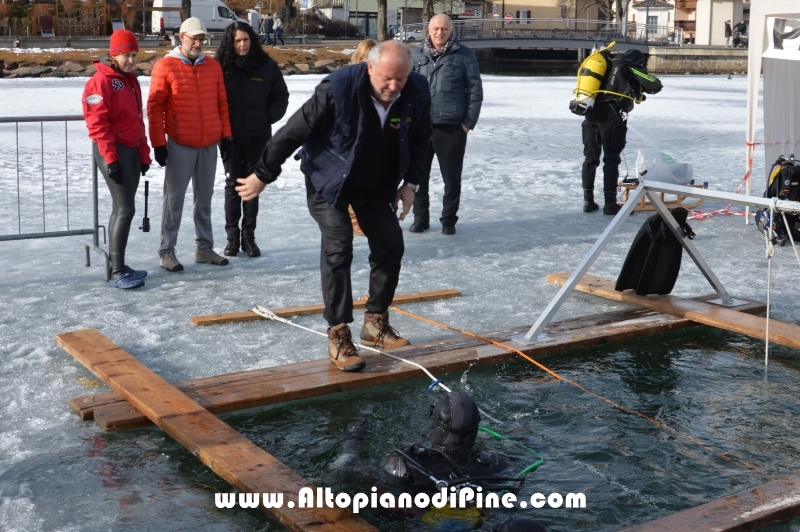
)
(196, 38)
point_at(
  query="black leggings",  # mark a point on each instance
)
(244, 156)
(123, 206)
(608, 137)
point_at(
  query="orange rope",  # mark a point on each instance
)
(660, 424)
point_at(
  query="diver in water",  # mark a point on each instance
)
(450, 460)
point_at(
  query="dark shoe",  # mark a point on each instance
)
(232, 249)
(378, 333)
(135, 274)
(590, 206)
(170, 262)
(611, 209)
(209, 255)
(419, 226)
(249, 246)
(341, 349)
(449, 230)
(125, 282)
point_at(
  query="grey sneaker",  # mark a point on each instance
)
(209, 255)
(170, 262)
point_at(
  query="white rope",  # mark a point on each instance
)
(770, 251)
(789, 230)
(267, 313)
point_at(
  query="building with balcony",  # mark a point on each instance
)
(702, 21)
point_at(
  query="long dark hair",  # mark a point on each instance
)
(226, 54)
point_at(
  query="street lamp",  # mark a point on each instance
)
(647, 22)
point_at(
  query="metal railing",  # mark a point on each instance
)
(565, 28)
(44, 173)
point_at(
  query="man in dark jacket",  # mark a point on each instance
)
(364, 132)
(456, 97)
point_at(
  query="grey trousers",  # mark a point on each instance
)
(184, 164)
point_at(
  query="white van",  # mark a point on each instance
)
(214, 14)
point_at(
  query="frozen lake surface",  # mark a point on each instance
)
(520, 219)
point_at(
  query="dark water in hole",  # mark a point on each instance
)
(708, 384)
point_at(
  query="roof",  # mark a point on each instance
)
(662, 4)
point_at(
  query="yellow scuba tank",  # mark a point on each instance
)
(590, 76)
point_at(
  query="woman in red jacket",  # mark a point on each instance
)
(112, 107)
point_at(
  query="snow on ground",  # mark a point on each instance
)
(520, 220)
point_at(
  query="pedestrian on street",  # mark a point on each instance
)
(257, 98)
(188, 114)
(364, 132)
(728, 33)
(456, 96)
(112, 107)
(278, 25)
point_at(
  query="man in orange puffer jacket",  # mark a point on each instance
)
(188, 114)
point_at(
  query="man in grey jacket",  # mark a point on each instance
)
(456, 96)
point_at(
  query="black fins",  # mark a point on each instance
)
(654, 260)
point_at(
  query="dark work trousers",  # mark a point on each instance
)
(123, 202)
(244, 156)
(608, 136)
(385, 238)
(449, 143)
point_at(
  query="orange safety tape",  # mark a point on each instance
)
(660, 424)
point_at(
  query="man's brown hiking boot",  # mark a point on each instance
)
(377, 332)
(341, 349)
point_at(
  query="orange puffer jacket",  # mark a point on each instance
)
(187, 102)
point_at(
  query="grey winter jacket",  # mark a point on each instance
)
(455, 84)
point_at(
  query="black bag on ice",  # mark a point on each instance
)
(654, 260)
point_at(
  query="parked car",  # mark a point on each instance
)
(214, 14)
(415, 35)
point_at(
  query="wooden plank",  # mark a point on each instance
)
(318, 377)
(229, 454)
(729, 319)
(287, 312)
(744, 511)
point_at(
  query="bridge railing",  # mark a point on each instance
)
(562, 28)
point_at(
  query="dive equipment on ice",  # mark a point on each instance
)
(654, 260)
(784, 184)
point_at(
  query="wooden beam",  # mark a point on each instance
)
(318, 377)
(230, 455)
(744, 511)
(729, 319)
(287, 312)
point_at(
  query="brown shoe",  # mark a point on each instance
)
(356, 228)
(341, 349)
(377, 332)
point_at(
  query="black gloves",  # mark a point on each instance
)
(226, 149)
(145, 168)
(115, 172)
(161, 155)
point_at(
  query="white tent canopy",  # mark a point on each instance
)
(760, 38)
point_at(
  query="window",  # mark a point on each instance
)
(563, 8)
(522, 15)
(224, 12)
(652, 21)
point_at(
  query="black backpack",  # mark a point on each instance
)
(784, 184)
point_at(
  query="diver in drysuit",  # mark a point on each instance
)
(605, 125)
(450, 459)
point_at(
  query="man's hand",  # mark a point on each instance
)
(406, 195)
(250, 187)
(465, 128)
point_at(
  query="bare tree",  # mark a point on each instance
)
(186, 7)
(381, 35)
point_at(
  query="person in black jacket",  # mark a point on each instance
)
(456, 97)
(364, 132)
(257, 98)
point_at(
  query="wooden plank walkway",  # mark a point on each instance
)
(229, 454)
(729, 319)
(301, 380)
(744, 511)
(287, 312)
